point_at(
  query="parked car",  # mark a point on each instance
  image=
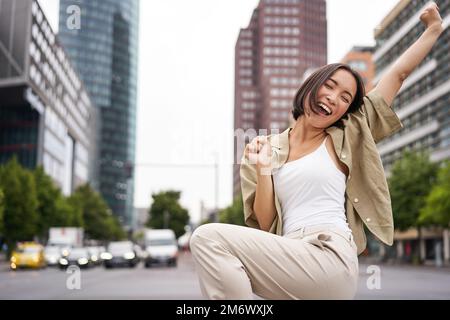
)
(77, 256)
(94, 255)
(161, 247)
(52, 255)
(183, 241)
(28, 255)
(142, 254)
(120, 253)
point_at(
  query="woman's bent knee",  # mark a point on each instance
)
(202, 233)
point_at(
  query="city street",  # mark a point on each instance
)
(405, 282)
(125, 124)
(158, 282)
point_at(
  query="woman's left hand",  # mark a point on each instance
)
(430, 16)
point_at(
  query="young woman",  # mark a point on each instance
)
(309, 191)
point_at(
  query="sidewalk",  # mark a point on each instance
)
(428, 265)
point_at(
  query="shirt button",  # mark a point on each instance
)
(343, 156)
(356, 200)
(368, 219)
(349, 176)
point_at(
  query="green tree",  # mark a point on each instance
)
(72, 213)
(116, 230)
(437, 204)
(411, 180)
(20, 216)
(166, 212)
(99, 223)
(205, 221)
(233, 214)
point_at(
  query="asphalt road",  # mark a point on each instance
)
(158, 282)
(180, 283)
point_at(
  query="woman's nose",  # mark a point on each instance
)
(332, 98)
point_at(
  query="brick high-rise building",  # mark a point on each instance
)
(360, 59)
(283, 40)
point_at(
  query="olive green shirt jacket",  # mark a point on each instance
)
(367, 199)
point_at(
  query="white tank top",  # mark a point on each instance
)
(311, 191)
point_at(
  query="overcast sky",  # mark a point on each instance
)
(186, 87)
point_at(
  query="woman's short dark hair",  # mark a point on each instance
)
(316, 80)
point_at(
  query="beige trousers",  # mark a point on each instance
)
(233, 262)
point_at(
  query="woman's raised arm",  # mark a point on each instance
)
(391, 82)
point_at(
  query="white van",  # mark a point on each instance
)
(161, 247)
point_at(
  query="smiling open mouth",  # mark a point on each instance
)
(323, 109)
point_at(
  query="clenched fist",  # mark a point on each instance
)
(259, 152)
(430, 16)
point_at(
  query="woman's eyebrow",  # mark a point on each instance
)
(337, 84)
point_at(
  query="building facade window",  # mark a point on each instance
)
(274, 103)
(245, 53)
(245, 62)
(282, 31)
(282, 92)
(279, 71)
(284, 81)
(281, 62)
(358, 65)
(281, 41)
(249, 94)
(287, 11)
(276, 51)
(248, 105)
(281, 21)
(248, 115)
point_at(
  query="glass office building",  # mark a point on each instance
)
(46, 115)
(104, 50)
